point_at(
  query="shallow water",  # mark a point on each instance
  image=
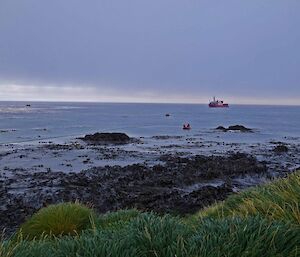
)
(43, 121)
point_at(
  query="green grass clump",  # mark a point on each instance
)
(58, 220)
(149, 235)
(154, 236)
(116, 220)
(146, 235)
(7, 248)
(250, 237)
(278, 200)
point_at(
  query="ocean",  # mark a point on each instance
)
(56, 120)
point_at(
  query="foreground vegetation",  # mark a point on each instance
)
(263, 221)
(278, 200)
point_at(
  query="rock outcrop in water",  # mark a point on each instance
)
(239, 128)
(281, 149)
(98, 138)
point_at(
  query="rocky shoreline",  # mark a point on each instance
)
(163, 174)
(180, 185)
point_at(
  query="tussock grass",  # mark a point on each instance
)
(145, 235)
(158, 236)
(58, 220)
(116, 220)
(152, 236)
(278, 200)
(7, 248)
(250, 237)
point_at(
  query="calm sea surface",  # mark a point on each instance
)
(19, 123)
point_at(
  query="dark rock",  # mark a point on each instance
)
(160, 188)
(118, 138)
(221, 128)
(71, 146)
(165, 137)
(281, 149)
(200, 198)
(240, 128)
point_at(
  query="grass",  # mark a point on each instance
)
(158, 236)
(149, 235)
(260, 222)
(116, 220)
(58, 220)
(250, 237)
(278, 200)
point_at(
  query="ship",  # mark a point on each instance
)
(217, 103)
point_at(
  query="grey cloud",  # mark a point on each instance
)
(235, 47)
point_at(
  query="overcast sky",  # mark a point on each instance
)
(244, 51)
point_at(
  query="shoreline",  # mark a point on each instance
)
(159, 173)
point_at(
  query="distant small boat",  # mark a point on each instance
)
(28, 105)
(217, 103)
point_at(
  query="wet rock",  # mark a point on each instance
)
(59, 147)
(198, 199)
(221, 128)
(117, 138)
(239, 128)
(281, 149)
(166, 137)
(160, 188)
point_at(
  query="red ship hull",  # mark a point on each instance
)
(212, 105)
(217, 103)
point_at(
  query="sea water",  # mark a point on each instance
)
(52, 120)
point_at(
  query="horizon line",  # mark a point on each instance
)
(140, 102)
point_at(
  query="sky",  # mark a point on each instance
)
(187, 51)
